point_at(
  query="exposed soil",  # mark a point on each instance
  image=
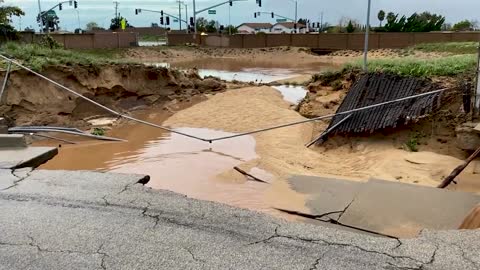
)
(278, 57)
(434, 133)
(472, 221)
(282, 151)
(31, 100)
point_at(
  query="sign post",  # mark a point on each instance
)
(212, 12)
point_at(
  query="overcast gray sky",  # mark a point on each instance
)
(101, 11)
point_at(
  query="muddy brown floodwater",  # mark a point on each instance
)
(249, 70)
(174, 162)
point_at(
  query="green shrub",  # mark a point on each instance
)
(409, 66)
(413, 142)
(98, 131)
(336, 85)
(37, 56)
(449, 47)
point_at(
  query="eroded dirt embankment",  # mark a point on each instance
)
(434, 132)
(34, 101)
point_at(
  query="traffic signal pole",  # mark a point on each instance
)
(162, 12)
(42, 14)
(195, 12)
(275, 15)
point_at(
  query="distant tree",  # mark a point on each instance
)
(116, 23)
(211, 27)
(447, 27)
(202, 24)
(91, 26)
(230, 29)
(381, 16)
(6, 14)
(464, 25)
(423, 22)
(391, 17)
(350, 27)
(302, 21)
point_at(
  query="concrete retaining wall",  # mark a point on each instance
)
(354, 41)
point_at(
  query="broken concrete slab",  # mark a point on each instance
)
(7, 179)
(13, 158)
(403, 210)
(390, 208)
(329, 196)
(12, 140)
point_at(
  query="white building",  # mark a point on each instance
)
(288, 27)
(253, 28)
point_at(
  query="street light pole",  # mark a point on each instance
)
(116, 9)
(180, 14)
(194, 17)
(186, 16)
(296, 15)
(40, 14)
(367, 31)
(78, 18)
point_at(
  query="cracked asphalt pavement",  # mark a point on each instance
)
(88, 220)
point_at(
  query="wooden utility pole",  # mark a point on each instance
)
(447, 181)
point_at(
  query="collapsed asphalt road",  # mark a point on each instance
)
(86, 220)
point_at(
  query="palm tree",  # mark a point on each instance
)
(381, 16)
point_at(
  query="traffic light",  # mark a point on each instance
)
(60, 6)
(75, 4)
(259, 2)
(255, 15)
(168, 20)
(161, 20)
(136, 11)
(222, 27)
(161, 12)
(192, 23)
(273, 15)
(231, 3)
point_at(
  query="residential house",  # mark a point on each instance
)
(253, 28)
(288, 27)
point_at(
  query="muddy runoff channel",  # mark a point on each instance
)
(195, 168)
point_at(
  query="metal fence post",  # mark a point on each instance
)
(5, 80)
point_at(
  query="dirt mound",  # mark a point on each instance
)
(325, 93)
(472, 221)
(282, 152)
(32, 100)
